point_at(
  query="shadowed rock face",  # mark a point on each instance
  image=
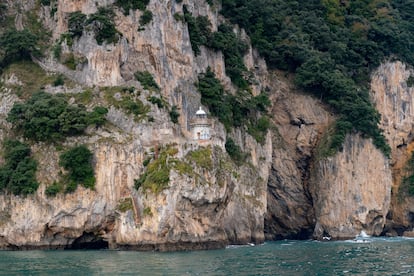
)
(350, 191)
(301, 120)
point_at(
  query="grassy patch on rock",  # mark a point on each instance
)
(201, 158)
(125, 204)
(30, 78)
(127, 99)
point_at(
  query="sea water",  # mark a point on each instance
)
(361, 256)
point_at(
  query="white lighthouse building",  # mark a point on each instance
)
(200, 126)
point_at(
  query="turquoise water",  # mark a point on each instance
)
(371, 256)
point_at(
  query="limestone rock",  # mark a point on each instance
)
(290, 212)
(394, 101)
(282, 191)
(351, 191)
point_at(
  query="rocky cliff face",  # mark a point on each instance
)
(393, 99)
(301, 121)
(285, 189)
(351, 191)
(201, 207)
(359, 189)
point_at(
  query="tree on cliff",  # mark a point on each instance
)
(78, 162)
(18, 174)
(17, 45)
(46, 117)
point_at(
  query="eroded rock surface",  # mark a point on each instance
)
(351, 191)
(394, 100)
(301, 120)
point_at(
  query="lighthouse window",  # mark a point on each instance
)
(204, 135)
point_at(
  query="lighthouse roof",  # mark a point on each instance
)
(200, 111)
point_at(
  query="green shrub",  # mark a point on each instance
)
(45, 2)
(145, 18)
(59, 81)
(70, 62)
(147, 211)
(102, 22)
(156, 100)
(224, 40)
(57, 51)
(66, 37)
(201, 157)
(78, 162)
(130, 89)
(410, 81)
(146, 161)
(89, 182)
(179, 17)
(17, 45)
(410, 181)
(18, 174)
(76, 23)
(235, 152)
(174, 114)
(259, 129)
(125, 204)
(3, 12)
(232, 110)
(135, 107)
(53, 189)
(213, 95)
(407, 186)
(233, 49)
(129, 101)
(157, 174)
(71, 187)
(128, 5)
(46, 117)
(97, 116)
(53, 9)
(138, 182)
(199, 29)
(261, 102)
(146, 80)
(84, 98)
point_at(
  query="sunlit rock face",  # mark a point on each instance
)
(393, 98)
(351, 191)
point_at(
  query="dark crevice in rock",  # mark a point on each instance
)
(411, 217)
(283, 220)
(89, 241)
(393, 230)
(304, 165)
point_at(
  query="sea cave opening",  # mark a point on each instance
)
(88, 241)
